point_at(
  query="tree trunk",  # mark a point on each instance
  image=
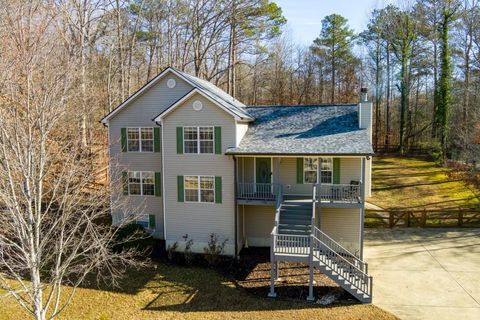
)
(403, 97)
(387, 134)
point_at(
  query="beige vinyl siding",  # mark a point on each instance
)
(288, 177)
(259, 221)
(350, 170)
(199, 220)
(246, 170)
(241, 129)
(139, 113)
(343, 225)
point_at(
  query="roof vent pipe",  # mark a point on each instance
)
(363, 95)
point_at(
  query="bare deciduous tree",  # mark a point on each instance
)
(53, 216)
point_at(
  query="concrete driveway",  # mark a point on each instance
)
(425, 273)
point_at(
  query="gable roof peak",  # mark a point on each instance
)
(208, 89)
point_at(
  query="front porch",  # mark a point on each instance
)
(329, 196)
(339, 180)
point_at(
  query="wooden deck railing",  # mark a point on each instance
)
(257, 191)
(349, 193)
(291, 244)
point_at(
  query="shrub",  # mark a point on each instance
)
(433, 149)
(171, 249)
(187, 252)
(134, 236)
(214, 250)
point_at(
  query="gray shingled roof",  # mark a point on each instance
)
(219, 96)
(319, 129)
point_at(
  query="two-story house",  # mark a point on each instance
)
(293, 178)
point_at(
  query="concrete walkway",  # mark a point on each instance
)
(425, 273)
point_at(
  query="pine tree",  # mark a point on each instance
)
(335, 42)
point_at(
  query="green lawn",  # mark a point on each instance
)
(172, 292)
(416, 184)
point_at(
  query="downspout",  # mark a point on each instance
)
(236, 205)
(163, 183)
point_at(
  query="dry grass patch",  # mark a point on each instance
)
(415, 184)
(172, 292)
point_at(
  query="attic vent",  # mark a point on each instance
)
(197, 105)
(171, 83)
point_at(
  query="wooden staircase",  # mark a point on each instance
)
(295, 217)
(296, 238)
(334, 261)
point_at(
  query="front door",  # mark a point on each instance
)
(263, 170)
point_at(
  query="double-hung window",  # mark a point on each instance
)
(326, 170)
(199, 188)
(315, 168)
(141, 183)
(140, 139)
(310, 170)
(198, 140)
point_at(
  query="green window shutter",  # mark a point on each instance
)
(179, 140)
(218, 140)
(156, 139)
(123, 139)
(299, 170)
(151, 221)
(218, 189)
(336, 170)
(158, 184)
(125, 182)
(180, 188)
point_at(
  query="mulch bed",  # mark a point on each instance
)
(252, 273)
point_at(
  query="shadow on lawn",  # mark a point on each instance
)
(241, 286)
(401, 186)
(188, 289)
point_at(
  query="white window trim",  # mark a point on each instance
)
(319, 169)
(198, 140)
(199, 189)
(141, 184)
(139, 129)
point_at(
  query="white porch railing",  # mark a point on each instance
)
(257, 191)
(290, 244)
(350, 193)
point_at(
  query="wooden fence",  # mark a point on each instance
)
(423, 218)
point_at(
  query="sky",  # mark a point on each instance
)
(305, 16)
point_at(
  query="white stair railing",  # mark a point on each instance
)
(342, 267)
(339, 249)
